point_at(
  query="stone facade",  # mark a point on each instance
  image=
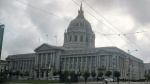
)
(3, 66)
(147, 68)
(77, 53)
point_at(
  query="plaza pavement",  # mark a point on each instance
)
(93, 83)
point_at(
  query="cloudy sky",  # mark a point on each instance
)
(30, 20)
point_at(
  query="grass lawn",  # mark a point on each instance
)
(34, 81)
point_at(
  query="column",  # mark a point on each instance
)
(86, 63)
(91, 63)
(52, 60)
(26, 64)
(41, 60)
(18, 64)
(77, 64)
(73, 64)
(69, 63)
(81, 62)
(96, 60)
(39, 74)
(30, 63)
(35, 74)
(15, 64)
(36, 61)
(22, 64)
(107, 61)
(46, 60)
(65, 63)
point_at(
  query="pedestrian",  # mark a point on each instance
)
(97, 78)
(85, 79)
(118, 80)
(106, 81)
(69, 79)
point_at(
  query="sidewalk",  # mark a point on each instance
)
(94, 83)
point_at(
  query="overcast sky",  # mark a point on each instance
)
(25, 25)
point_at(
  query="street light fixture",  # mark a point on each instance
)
(129, 64)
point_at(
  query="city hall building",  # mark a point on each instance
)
(78, 53)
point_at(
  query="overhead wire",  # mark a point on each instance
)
(69, 20)
(55, 15)
(43, 10)
(116, 28)
(103, 23)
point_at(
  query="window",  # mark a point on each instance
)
(87, 40)
(70, 38)
(81, 24)
(77, 24)
(91, 40)
(75, 38)
(81, 39)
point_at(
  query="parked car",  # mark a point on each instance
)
(55, 78)
(109, 80)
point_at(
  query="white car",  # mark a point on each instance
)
(55, 78)
(109, 79)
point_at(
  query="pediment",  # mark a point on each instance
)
(44, 47)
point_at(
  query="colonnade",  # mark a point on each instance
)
(93, 62)
(21, 64)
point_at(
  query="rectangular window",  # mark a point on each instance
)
(81, 39)
(75, 38)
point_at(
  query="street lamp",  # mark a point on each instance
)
(129, 64)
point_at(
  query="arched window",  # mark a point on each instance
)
(81, 39)
(77, 24)
(70, 38)
(75, 38)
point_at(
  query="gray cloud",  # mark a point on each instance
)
(27, 25)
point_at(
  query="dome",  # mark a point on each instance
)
(80, 21)
(79, 34)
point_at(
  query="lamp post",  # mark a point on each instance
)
(129, 64)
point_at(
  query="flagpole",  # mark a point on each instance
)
(39, 43)
(47, 38)
(56, 40)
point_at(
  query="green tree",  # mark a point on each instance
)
(2, 74)
(72, 72)
(108, 73)
(93, 73)
(26, 73)
(66, 72)
(147, 76)
(55, 73)
(21, 74)
(86, 74)
(17, 73)
(116, 74)
(100, 74)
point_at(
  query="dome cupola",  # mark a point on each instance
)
(79, 33)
